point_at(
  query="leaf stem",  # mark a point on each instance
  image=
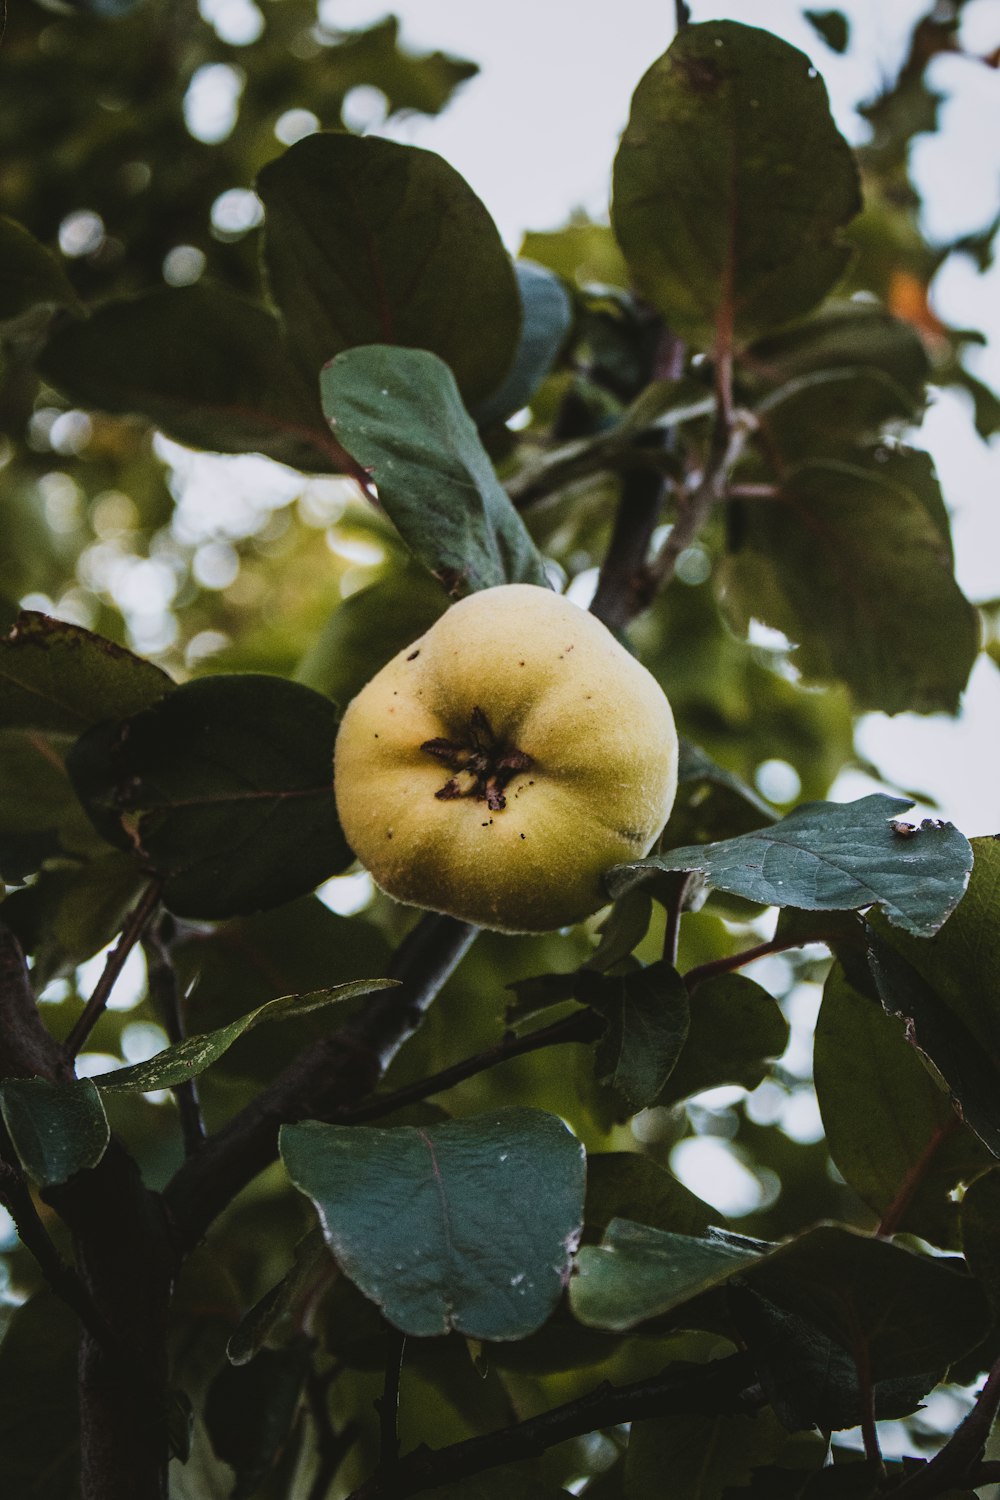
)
(130, 935)
(896, 1211)
(701, 972)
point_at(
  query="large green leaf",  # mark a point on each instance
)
(841, 334)
(737, 1030)
(981, 1233)
(250, 1411)
(186, 1059)
(57, 676)
(638, 1272)
(399, 414)
(833, 856)
(705, 1456)
(856, 571)
(472, 1223)
(891, 1128)
(731, 184)
(900, 1312)
(40, 815)
(369, 241)
(626, 1185)
(546, 318)
(224, 790)
(209, 367)
(948, 991)
(811, 1379)
(30, 275)
(648, 1019)
(56, 1128)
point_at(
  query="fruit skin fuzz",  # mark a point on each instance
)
(499, 765)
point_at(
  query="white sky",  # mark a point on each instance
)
(535, 135)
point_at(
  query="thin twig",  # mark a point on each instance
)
(953, 1465)
(682, 14)
(388, 1405)
(581, 1026)
(718, 1388)
(130, 935)
(701, 972)
(165, 998)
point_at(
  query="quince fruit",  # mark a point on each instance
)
(498, 766)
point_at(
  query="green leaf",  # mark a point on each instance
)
(40, 814)
(56, 676)
(705, 1456)
(649, 1017)
(250, 1410)
(369, 241)
(399, 414)
(833, 856)
(737, 1029)
(948, 991)
(897, 1313)
(981, 1233)
(472, 1224)
(711, 802)
(891, 1129)
(500, 1484)
(72, 911)
(731, 184)
(39, 1443)
(855, 570)
(826, 413)
(832, 26)
(185, 1060)
(838, 335)
(625, 1185)
(638, 1272)
(224, 790)
(311, 1259)
(206, 365)
(546, 319)
(809, 1379)
(56, 1128)
(30, 275)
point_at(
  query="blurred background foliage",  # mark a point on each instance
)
(132, 138)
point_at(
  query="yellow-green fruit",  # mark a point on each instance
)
(496, 768)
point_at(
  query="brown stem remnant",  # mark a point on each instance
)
(483, 763)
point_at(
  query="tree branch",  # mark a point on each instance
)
(27, 1049)
(581, 1026)
(165, 999)
(718, 1388)
(952, 1466)
(336, 1073)
(130, 935)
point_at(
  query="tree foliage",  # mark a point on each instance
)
(429, 1229)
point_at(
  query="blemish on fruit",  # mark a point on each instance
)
(413, 655)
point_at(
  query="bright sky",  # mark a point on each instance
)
(535, 135)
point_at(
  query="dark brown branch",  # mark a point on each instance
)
(130, 935)
(336, 1073)
(581, 1026)
(952, 1467)
(718, 1388)
(624, 587)
(165, 999)
(15, 1195)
